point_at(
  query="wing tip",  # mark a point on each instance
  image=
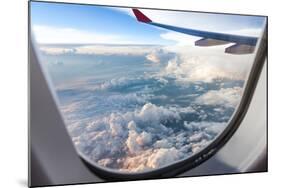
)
(140, 16)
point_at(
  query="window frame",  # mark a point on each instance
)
(212, 148)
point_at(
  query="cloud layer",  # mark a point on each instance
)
(151, 119)
(139, 140)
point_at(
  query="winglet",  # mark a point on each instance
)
(141, 17)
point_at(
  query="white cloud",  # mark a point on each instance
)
(228, 97)
(115, 49)
(138, 140)
(131, 142)
(160, 55)
(126, 142)
(56, 35)
(56, 50)
(154, 57)
(206, 64)
(163, 157)
(152, 52)
(184, 62)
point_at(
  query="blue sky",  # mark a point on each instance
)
(65, 22)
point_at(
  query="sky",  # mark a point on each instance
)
(69, 23)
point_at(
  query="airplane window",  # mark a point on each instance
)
(142, 89)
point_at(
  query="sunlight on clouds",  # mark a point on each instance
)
(121, 139)
(229, 97)
(182, 61)
(117, 50)
(205, 69)
(152, 53)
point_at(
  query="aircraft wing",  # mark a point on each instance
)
(242, 44)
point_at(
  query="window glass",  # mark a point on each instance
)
(136, 97)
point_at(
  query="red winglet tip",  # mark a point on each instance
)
(141, 17)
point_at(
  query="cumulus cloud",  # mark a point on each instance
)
(193, 64)
(149, 136)
(153, 57)
(140, 140)
(206, 63)
(159, 55)
(228, 97)
(126, 131)
(118, 133)
(152, 53)
(163, 157)
(184, 62)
